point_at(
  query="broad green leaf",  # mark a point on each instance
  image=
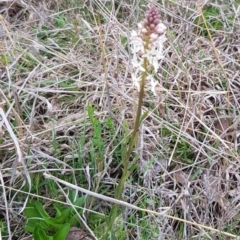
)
(74, 220)
(65, 215)
(79, 202)
(53, 223)
(58, 222)
(34, 216)
(58, 209)
(62, 233)
(31, 211)
(40, 209)
(39, 234)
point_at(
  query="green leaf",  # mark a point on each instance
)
(39, 234)
(65, 217)
(40, 209)
(80, 201)
(31, 211)
(91, 113)
(53, 223)
(74, 220)
(143, 117)
(58, 222)
(35, 215)
(133, 165)
(72, 195)
(62, 233)
(96, 218)
(123, 40)
(58, 209)
(4, 59)
(60, 21)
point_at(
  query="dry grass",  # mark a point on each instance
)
(57, 57)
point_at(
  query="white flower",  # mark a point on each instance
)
(155, 64)
(136, 80)
(161, 28)
(153, 37)
(137, 63)
(153, 84)
(152, 58)
(147, 43)
(136, 43)
(158, 45)
(134, 34)
(150, 55)
(155, 51)
(140, 25)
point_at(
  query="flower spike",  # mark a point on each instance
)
(147, 43)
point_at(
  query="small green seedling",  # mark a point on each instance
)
(40, 223)
(43, 226)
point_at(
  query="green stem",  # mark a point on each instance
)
(134, 134)
(126, 172)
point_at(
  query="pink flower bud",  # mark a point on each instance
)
(150, 19)
(152, 26)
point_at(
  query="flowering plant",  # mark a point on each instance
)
(147, 49)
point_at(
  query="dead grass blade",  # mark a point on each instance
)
(125, 204)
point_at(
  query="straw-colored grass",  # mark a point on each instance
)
(67, 109)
